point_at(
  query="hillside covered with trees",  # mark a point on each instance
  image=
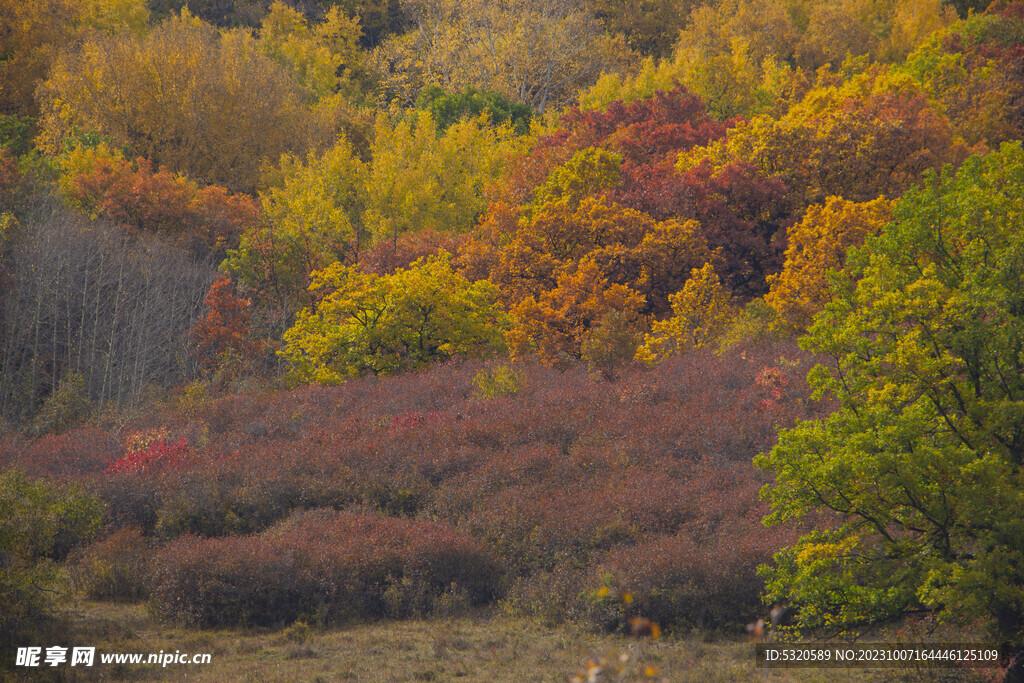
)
(596, 311)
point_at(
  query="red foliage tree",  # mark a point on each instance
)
(9, 174)
(206, 220)
(223, 328)
(646, 131)
(387, 256)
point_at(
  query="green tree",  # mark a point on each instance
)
(448, 108)
(923, 461)
(39, 522)
(367, 323)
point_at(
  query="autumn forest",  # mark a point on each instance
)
(626, 317)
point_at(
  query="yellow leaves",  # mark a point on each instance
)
(578, 278)
(112, 16)
(323, 57)
(31, 36)
(536, 52)
(181, 95)
(80, 161)
(823, 554)
(874, 135)
(915, 20)
(366, 323)
(818, 243)
(587, 173)
(421, 181)
(700, 314)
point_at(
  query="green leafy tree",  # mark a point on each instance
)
(448, 108)
(39, 522)
(366, 323)
(923, 461)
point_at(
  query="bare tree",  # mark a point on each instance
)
(90, 300)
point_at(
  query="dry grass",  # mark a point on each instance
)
(486, 647)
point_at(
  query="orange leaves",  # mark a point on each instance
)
(565, 271)
(224, 328)
(105, 184)
(557, 321)
(221, 217)
(8, 169)
(627, 246)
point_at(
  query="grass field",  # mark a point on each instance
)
(488, 646)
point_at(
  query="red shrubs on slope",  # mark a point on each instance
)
(323, 565)
(648, 477)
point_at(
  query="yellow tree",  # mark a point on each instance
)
(374, 324)
(32, 34)
(628, 247)
(333, 205)
(210, 106)
(817, 244)
(311, 220)
(971, 72)
(537, 52)
(581, 279)
(419, 180)
(586, 174)
(874, 135)
(744, 57)
(700, 313)
(324, 57)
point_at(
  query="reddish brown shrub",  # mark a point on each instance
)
(80, 451)
(554, 480)
(116, 568)
(687, 581)
(333, 567)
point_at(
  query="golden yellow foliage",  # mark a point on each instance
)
(701, 312)
(536, 52)
(817, 244)
(208, 105)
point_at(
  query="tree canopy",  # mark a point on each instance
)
(923, 462)
(367, 323)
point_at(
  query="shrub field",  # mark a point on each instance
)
(554, 494)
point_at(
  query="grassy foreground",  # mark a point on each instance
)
(484, 647)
